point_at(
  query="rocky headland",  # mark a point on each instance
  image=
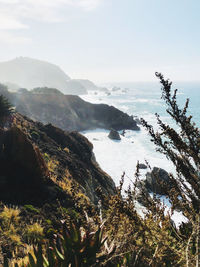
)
(69, 112)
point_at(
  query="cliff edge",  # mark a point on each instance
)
(68, 112)
(41, 163)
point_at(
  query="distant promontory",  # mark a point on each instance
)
(24, 72)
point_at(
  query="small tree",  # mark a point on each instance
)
(182, 147)
(5, 110)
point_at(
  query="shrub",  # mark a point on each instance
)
(9, 215)
(182, 147)
(34, 232)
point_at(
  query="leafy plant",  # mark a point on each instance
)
(9, 216)
(34, 232)
(75, 246)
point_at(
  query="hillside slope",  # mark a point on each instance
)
(40, 163)
(30, 73)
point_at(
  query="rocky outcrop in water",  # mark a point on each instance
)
(114, 135)
(90, 86)
(142, 166)
(157, 181)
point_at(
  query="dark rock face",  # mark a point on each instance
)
(17, 148)
(109, 117)
(114, 135)
(158, 181)
(142, 166)
(69, 112)
(23, 169)
(72, 113)
(24, 174)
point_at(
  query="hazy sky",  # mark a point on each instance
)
(105, 40)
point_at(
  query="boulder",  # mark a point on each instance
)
(142, 166)
(158, 181)
(114, 135)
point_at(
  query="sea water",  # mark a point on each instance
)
(142, 100)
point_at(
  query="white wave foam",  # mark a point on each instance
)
(116, 157)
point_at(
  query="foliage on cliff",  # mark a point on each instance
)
(5, 109)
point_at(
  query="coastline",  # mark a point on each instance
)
(116, 157)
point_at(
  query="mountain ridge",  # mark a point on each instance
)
(29, 73)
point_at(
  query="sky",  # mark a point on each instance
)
(106, 40)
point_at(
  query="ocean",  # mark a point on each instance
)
(141, 100)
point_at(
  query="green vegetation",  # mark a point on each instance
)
(114, 234)
(31, 209)
(75, 246)
(46, 91)
(35, 135)
(34, 233)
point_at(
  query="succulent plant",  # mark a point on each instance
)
(73, 247)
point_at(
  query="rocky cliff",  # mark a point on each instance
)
(41, 163)
(68, 112)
